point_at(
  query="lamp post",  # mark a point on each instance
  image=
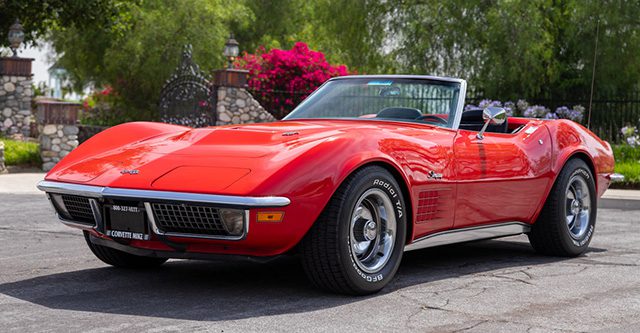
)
(231, 50)
(16, 37)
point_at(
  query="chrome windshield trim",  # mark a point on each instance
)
(462, 95)
(401, 76)
(469, 234)
(110, 192)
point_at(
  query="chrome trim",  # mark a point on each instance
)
(156, 230)
(616, 177)
(461, 99)
(469, 234)
(110, 192)
(75, 224)
(401, 76)
(70, 223)
(95, 209)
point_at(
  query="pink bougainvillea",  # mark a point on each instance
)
(280, 79)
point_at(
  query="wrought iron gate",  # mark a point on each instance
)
(186, 97)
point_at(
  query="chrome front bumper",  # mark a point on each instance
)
(110, 192)
(96, 194)
(616, 178)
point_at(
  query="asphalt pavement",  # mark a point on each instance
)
(49, 281)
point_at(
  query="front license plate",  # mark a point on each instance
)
(127, 222)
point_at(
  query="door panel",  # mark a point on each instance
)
(502, 177)
(427, 159)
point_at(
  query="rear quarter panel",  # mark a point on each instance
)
(570, 138)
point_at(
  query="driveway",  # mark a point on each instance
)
(49, 281)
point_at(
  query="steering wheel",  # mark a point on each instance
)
(431, 117)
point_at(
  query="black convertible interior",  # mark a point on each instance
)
(471, 119)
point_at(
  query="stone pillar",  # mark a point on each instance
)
(15, 96)
(57, 124)
(234, 104)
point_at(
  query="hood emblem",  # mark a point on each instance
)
(130, 172)
(433, 175)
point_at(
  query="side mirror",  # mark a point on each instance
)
(492, 115)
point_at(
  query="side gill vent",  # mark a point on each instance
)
(428, 202)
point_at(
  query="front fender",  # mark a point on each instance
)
(311, 179)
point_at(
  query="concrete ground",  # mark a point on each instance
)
(49, 281)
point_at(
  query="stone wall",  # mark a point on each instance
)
(56, 142)
(15, 104)
(237, 106)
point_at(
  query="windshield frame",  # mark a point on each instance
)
(459, 105)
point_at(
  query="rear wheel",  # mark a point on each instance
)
(117, 258)
(356, 245)
(567, 221)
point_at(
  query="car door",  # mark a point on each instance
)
(427, 157)
(502, 177)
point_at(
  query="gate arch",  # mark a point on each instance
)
(186, 97)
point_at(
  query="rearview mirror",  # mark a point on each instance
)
(492, 115)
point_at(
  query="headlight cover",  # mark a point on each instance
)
(233, 220)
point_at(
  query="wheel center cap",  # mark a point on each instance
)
(576, 206)
(370, 230)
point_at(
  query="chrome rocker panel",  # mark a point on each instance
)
(469, 234)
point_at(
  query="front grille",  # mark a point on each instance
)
(78, 208)
(188, 219)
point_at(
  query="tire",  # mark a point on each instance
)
(121, 259)
(339, 253)
(565, 226)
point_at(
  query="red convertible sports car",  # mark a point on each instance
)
(367, 167)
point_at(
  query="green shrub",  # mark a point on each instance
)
(21, 153)
(626, 153)
(630, 170)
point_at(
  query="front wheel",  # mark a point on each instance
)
(568, 219)
(356, 245)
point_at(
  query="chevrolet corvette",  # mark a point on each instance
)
(365, 168)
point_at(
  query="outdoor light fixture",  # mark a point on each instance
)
(15, 36)
(231, 50)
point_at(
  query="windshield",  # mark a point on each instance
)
(398, 99)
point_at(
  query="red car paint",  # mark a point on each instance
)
(504, 177)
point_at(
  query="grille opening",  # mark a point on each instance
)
(78, 208)
(192, 219)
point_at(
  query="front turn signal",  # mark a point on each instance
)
(270, 216)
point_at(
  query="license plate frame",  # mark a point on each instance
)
(126, 222)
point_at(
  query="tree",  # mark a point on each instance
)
(137, 59)
(506, 49)
(39, 16)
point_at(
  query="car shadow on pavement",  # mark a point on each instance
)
(213, 291)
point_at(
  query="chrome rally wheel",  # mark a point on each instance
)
(356, 244)
(567, 221)
(577, 207)
(373, 230)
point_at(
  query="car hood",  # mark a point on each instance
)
(220, 160)
(206, 160)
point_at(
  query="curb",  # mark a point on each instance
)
(624, 204)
